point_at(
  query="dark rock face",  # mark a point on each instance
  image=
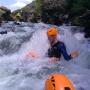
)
(51, 4)
(53, 11)
(5, 14)
(0, 21)
(85, 21)
(28, 11)
(48, 11)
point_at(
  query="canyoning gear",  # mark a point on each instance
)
(57, 50)
(52, 31)
(58, 82)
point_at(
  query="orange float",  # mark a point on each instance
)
(58, 82)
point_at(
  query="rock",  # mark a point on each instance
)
(53, 11)
(5, 14)
(25, 13)
(3, 32)
(57, 12)
(0, 21)
(85, 21)
(54, 4)
(48, 11)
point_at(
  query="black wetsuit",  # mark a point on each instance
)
(57, 50)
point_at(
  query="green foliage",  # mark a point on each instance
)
(80, 6)
(80, 14)
(38, 7)
(76, 22)
(15, 12)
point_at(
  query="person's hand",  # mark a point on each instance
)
(32, 54)
(74, 54)
(53, 60)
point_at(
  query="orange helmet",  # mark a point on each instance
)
(52, 31)
(58, 82)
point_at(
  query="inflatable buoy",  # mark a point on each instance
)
(58, 82)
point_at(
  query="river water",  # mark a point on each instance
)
(19, 72)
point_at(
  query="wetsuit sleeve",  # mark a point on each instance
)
(63, 50)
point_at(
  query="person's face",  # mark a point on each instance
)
(52, 38)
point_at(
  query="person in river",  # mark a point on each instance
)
(58, 48)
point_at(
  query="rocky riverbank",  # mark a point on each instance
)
(57, 12)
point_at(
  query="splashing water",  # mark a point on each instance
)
(18, 72)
